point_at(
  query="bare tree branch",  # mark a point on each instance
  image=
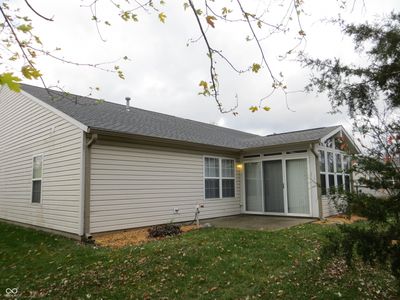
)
(37, 13)
(20, 44)
(213, 74)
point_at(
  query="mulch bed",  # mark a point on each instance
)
(339, 219)
(130, 237)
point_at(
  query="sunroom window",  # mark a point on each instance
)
(334, 172)
(328, 143)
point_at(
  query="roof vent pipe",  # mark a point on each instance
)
(127, 103)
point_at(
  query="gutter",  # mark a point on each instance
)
(165, 141)
(313, 151)
(292, 144)
(92, 140)
(318, 178)
(85, 209)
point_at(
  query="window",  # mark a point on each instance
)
(323, 184)
(212, 188)
(211, 177)
(37, 171)
(339, 179)
(322, 160)
(346, 163)
(330, 162)
(338, 143)
(328, 143)
(331, 180)
(228, 178)
(347, 183)
(219, 178)
(338, 163)
(334, 172)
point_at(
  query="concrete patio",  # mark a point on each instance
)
(257, 222)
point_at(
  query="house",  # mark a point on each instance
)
(73, 165)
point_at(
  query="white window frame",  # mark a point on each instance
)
(37, 179)
(335, 173)
(219, 176)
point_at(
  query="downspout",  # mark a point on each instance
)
(318, 178)
(92, 140)
(313, 151)
(86, 219)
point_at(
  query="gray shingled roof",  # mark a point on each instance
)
(307, 135)
(108, 116)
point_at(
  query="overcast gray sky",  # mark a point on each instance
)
(163, 73)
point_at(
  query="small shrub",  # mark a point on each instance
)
(164, 230)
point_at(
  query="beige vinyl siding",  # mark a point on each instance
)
(328, 208)
(28, 129)
(137, 185)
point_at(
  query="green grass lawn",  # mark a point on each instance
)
(205, 264)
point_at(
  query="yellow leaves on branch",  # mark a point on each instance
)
(8, 78)
(30, 72)
(204, 85)
(14, 57)
(126, 16)
(37, 39)
(119, 72)
(32, 52)
(162, 17)
(210, 21)
(255, 67)
(226, 11)
(254, 108)
(25, 28)
(11, 81)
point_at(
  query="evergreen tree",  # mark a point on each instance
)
(372, 94)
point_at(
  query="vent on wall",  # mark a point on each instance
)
(251, 156)
(272, 154)
(297, 151)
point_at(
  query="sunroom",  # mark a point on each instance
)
(295, 179)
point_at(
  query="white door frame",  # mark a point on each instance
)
(283, 157)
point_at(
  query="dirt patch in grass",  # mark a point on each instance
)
(130, 237)
(340, 219)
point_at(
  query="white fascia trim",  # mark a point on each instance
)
(333, 132)
(350, 138)
(56, 111)
(341, 128)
